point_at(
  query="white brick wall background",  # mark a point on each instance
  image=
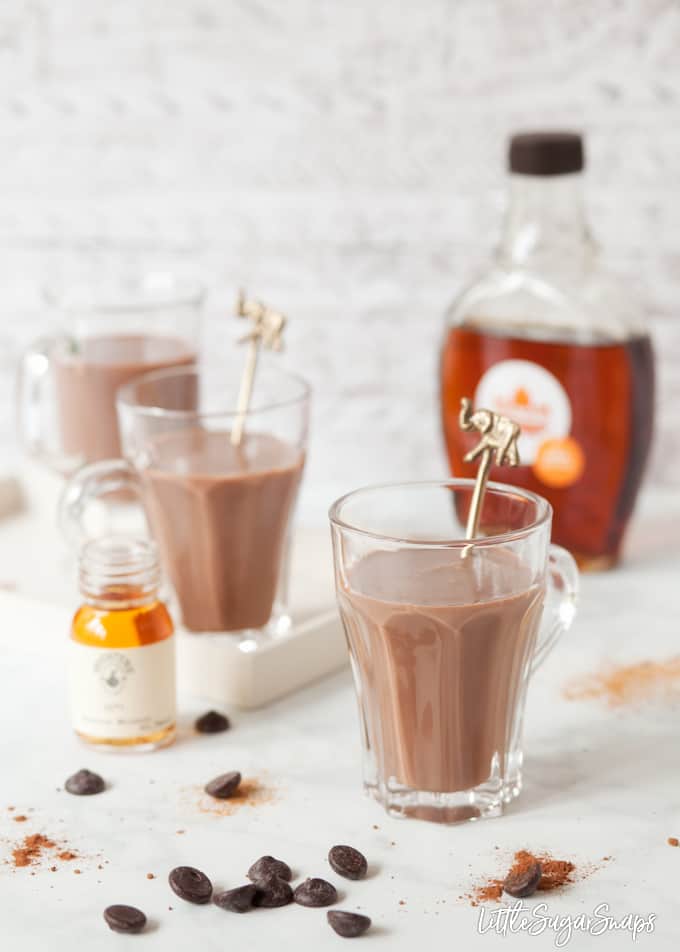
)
(345, 161)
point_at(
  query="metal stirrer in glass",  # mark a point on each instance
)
(497, 444)
(267, 331)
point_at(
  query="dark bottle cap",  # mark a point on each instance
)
(546, 153)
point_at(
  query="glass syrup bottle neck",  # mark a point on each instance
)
(546, 227)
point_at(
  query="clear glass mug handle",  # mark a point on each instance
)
(33, 377)
(560, 602)
(85, 487)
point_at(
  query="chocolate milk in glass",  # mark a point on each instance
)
(88, 377)
(443, 667)
(220, 514)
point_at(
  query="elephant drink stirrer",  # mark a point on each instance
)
(266, 331)
(497, 444)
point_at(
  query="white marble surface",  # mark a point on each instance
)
(597, 783)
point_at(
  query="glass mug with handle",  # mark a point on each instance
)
(220, 513)
(110, 334)
(444, 636)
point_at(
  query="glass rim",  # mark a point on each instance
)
(124, 395)
(544, 513)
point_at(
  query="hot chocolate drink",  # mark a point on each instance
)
(441, 651)
(87, 378)
(220, 514)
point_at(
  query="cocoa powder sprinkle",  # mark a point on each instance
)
(251, 793)
(628, 685)
(31, 849)
(556, 873)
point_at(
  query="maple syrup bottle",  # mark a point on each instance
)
(122, 650)
(548, 339)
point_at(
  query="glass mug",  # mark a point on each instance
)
(444, 635)
(67, 381)
(221, 514)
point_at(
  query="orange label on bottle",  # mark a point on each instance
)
(559, 463)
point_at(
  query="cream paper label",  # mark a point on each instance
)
(122, 693)
(533, 397)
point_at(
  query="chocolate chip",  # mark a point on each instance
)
(315, 892)
(240, 899)
(348, 862)
(272, 892)
(524, 882)
(212, 722)
(190, 884)
(224, 786)
(84, 783)
(347, 924)
(267, 867)
(124, 918)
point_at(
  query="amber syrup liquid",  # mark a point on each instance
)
(611, 390)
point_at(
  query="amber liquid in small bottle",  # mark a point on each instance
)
(122, 660)
(610, 389)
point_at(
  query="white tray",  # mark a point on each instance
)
(35, 563)
(215, 667)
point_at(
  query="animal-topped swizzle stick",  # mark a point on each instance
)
(498, 443)
(266, 331)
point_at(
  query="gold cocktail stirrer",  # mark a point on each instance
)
(497, 444)
(266, 331)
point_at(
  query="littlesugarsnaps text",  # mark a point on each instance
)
(538, 920)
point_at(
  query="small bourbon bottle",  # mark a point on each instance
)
(122, 651)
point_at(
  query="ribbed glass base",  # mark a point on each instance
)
(482, 802)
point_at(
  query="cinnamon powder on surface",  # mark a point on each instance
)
(628, 685)
(251, 793)
(556, 874)
(31, 849)
(491, 892)
(34, 847)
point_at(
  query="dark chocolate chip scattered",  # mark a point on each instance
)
(124, 919)
(348, 862)
(267, 867)
(347, 924)
(212, 722)
(524, 882)
(84, 783)
(224, 786)
(315, 892)
(190, 884)
(272, 893)
(240, 899)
